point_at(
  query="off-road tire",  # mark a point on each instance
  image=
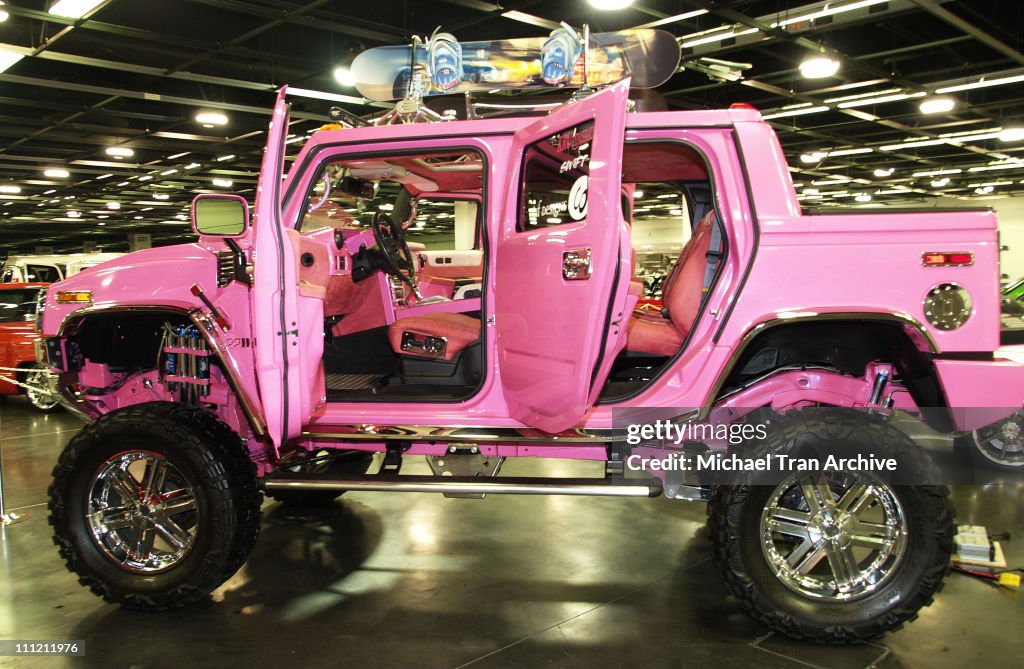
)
(351, 463)
(734, 518)
(228, 516)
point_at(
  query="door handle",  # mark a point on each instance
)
(576, 264)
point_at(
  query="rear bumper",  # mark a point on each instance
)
(981, 392)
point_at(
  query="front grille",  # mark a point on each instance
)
(225, 267)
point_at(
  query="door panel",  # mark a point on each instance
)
(275, 294)
(552, 306)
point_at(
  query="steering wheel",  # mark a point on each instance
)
(396, 257)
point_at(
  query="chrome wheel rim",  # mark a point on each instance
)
(1003, 442)
(38, 392)
(142, 512)
(837, 539)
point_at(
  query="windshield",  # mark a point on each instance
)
(17, 305)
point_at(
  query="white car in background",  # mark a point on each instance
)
(49, 268)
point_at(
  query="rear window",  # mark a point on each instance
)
(41, 273)
(17, 305)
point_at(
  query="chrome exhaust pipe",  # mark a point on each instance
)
(470, 484)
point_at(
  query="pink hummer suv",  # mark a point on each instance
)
(465, 291)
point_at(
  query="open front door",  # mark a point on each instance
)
(558, 264)
(274, 293)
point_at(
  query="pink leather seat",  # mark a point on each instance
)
(681, 295)
(457, 330)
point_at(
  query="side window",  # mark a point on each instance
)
(7, 276)
(445, 225)
(44, 273)
(554, 178)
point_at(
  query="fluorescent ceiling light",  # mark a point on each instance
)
(831, 182)
(10, 189)
(119, 151)
(716, 37)
(984, 190)
(3, 14)
(103, 176)
(192, 166)
(864, 102)
(168, 172)
(794, 112)
(161, 196)
(73, 9)
(229, 156)
(673, 19)
(223, 183)
(178, 155)
(344, 76)
(1008, 165)
(981, 83)
(610, 5)
(819, 67)
(936, 173)
(939, 105)
(863, 197)
(138, 218)
(861, 96)
(849, 152)
(145, 177)
(827, 10)
(881, 173)
(939, 183)
(210, 119)
(74, 214)
(812, 157)
(8, 57)
(113, 205)
(56, 173)
(913, 145)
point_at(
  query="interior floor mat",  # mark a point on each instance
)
(352, 381)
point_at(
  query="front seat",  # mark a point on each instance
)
(439, 336)
(663, 334)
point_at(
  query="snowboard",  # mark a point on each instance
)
(649, 56)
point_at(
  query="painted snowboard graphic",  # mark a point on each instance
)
(649, 56)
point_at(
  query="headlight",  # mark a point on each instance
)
(40, 306)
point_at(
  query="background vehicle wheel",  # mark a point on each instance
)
(155, 505)
(344, 463)
(998, 446)
(39, 395)
(834, 557)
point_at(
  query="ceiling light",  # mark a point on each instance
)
(47, 192)
(104, 176)
(181, 217)
(827, 11)
(229, 156)
(981, 83)
(168, 172)
(119, 151)
(716, 37)
(937, 173)
(74, 214)
(102, 223)
(984, 190)
(56, 173)
(939, 105)
(102, 216)
(794, 112)
(345, 77)
(138, 218)
(113, 205)
(10, 188)
(192, 166)
(939, 183)
(8, 57)
(812, 157)
(145, 177)
(161, 196)
(1011, 134)
(73, 9)
(819, 67)
(178, 155)
(913, 145)
(863, 197)
(223, 183)
(638, 194)
(210, 119)
(123, 183)
(675, 212)
(849, 152)
(811, 191)
(609, 5)
(864, 102)
(3, 14)
(881, 173)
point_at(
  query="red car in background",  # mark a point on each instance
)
(17, 345)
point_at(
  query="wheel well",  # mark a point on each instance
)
(847, 346)
(125, 341)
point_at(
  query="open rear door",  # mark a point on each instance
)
(559, 260)
(274, 293)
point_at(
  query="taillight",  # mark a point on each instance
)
(947, 258)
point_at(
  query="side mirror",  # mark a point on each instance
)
(220, 215)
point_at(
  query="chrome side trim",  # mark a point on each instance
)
(906, 320)
(474, 435)
(471, 485)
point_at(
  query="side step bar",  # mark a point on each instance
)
(469, 484)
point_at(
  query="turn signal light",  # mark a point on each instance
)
(946, 259)
(74, 296)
